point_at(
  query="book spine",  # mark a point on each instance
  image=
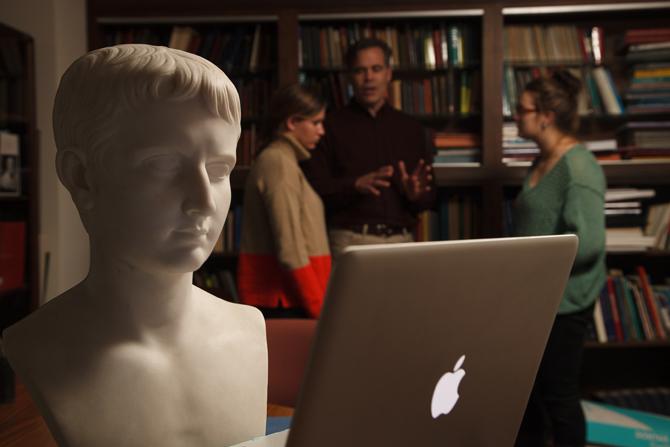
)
(599, 323)
(605, 307)
(651, 304)
(607, 91)
(624, 312)
(638, 333)
(616, 318)
(645, 321)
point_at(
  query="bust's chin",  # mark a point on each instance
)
(178, 263)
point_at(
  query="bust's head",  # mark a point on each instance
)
(146, 138)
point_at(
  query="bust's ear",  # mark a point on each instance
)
(75, 174)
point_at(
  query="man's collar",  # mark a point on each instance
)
(360, 108)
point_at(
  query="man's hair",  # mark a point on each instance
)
(108, 83)
(364, 44)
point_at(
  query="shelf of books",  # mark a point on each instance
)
(19, 282)
(622, 56)
(436, 60)
(19, 201)
(632, 309)
(244, 47)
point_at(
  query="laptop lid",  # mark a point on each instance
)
(431, 343)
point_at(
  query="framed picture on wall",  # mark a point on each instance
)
(10, 165)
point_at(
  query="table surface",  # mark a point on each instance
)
(21, 424)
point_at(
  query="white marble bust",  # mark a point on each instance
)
(135, 355)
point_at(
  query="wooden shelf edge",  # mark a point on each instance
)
(13, 292)
(651, 253)
(628, 344)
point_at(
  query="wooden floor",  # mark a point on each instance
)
(21, 424)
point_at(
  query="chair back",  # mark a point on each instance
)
(289, 345)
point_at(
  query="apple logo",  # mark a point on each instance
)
(446, 395)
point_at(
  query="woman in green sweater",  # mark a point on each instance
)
(563, 193)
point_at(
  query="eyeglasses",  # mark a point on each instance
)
(521, 110)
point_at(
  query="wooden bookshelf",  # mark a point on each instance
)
(630, 365)
(21, 202)
(490, 181)
(436, 58)
(244, 46)
(19, 192)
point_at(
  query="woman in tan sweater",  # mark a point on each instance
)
(284, 260)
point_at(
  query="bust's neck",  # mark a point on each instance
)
(147, 304)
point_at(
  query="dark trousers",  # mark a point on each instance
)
(283, 312)
(553, 409)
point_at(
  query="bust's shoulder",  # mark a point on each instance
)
(48, 320)
(232, 331)
(45, 334)
(226, 314)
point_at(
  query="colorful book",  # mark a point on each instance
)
(599, 322)
(629, 301)
(607, 90)
(614, 309)
(651, 303)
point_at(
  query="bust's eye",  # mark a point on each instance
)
(165, 163)
(218, 170)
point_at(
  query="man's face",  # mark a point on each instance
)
(370, 77)
(163, 190)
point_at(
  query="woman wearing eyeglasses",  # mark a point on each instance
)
(564, 192)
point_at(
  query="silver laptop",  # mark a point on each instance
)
(430, 344)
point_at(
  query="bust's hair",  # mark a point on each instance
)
(110, 82)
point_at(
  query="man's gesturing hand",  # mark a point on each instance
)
(371, 183)
(417, 183)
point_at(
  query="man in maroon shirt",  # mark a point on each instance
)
(373, 167)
